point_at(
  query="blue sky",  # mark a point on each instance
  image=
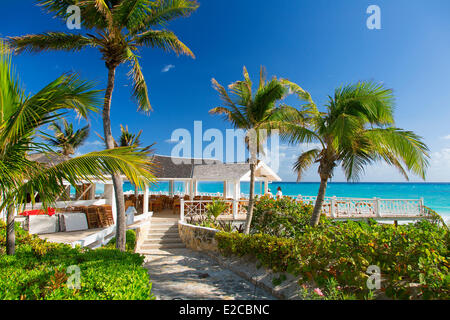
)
(318, 44)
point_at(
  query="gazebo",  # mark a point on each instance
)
(191, 171)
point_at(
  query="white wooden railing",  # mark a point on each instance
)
(193, 208)
(333, 207)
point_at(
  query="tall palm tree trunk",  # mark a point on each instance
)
(251, 199)
(10, 232)
(136, 197)
(319, 201)
(117, 179)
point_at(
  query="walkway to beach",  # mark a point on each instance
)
(187, 275)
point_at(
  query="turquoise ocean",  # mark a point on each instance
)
(436, 195)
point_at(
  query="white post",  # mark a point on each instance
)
(146, 194)
(235, 209)
(182, 209)
(422, 207)
(266, 186)
(377, 208)
(191, 189)
(225, 190)
(186, 187)
(332, 207)
(171, 187)
(195, 187)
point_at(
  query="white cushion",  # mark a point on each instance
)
(43, 224)
(75, 221)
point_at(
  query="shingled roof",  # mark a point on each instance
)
(178, 168)
(206, 169)
(231, 171)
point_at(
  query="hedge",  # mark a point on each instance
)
(413, 258)
(39, 270)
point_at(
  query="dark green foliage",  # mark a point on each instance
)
(282, 218)
(341, 252)
(39, 271)
(130, 243)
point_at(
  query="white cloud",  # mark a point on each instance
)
(439, 169)
(446, 137)
(167, 68)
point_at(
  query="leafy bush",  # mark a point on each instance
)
(130, 244)
(413, 258)
(39, 270)
(282, 218)
(215, 209)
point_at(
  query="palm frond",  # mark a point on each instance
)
(66, 92)
(163, 39)
(140, 90)
(49, 41)
(404, 146)
(49, 183)
(305, 161)
(163, 11)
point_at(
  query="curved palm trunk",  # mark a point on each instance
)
(10, 232)
(117, 179)
(251, 199)
(319, 202)
(136, 195)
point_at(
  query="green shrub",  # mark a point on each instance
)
(130, 241)
(39, 270)
(282, 218)
(343, 251)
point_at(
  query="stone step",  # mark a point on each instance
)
(145, 247)
(164, 220)
(162, 236)
(162, 228)
(162, 241)
(164, 252)
(153, 223)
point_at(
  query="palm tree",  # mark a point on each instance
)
(128, 139)
(357, 130)
(66, 138)
(119, 28)
(22, 115)
(253, 112)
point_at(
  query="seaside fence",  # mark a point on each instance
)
(333, 207)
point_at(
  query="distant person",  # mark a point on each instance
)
(279, 193)
(269, 193)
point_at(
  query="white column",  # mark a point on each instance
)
(186, 187)
(146, 194)
(191, 189)
(171, 188)
(195, 187)
(225, 190)
(266, 186)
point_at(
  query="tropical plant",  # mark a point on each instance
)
(119, 28)
(40, 270)
(215, 209)
(357, 130)
(254, 113)
(65, 138)
(128, 139)
(21, 115)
